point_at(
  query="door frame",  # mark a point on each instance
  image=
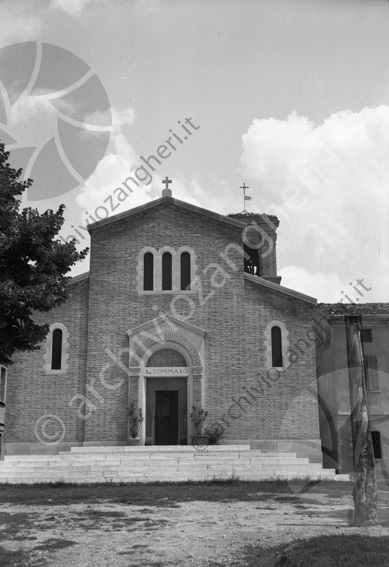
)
(154, 420)
(142, 399)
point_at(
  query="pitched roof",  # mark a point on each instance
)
(280, 289)
(257, 217)
(79, 278)
(167, 201)
(340, 309)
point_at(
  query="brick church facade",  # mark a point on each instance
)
(181, 307)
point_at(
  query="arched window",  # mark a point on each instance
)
(148, 272)
(185, 270)
(166, 271)
(56, 350)
(276, 347)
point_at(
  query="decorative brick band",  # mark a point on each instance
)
(172, 337)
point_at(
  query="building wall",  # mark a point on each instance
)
(33, 394)
(287, 407)
(333, 385)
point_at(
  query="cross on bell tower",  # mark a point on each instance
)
(245, 197)
(166, 192)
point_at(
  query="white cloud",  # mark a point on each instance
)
(72, 7)
(328, 185)
(106, 117)
(324, 287)
(122, 175)
(20, 22)
(32, 121)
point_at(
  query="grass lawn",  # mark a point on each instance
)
(164, 493)
(324, 551)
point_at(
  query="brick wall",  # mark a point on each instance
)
(283, 404)
(32, 393)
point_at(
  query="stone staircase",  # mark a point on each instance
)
(159, 463)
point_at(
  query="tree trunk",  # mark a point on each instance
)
(365, 488)
(2, 419)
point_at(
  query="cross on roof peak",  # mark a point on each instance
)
(166, 192)
(167, 181)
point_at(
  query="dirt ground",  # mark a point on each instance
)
(191, 533)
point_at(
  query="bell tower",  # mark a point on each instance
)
(259, 241)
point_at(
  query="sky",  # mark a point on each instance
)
(289, 97)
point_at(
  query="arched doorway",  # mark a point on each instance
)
(166, 354)
(166, 376)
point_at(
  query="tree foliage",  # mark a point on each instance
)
(33, 264)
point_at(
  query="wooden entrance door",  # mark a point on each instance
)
(166, 410)
(166, 417)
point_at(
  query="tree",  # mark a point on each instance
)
(365, 489)
(33, 264)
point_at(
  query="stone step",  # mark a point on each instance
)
(155, 464)
(120, 470)
(159, 449)
(161, 456)
(150, 464)
(160, 475)
(144, 455)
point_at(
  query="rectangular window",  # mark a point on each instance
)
(371, 373)
(376, 440)
(366, 336)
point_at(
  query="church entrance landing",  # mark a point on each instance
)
(166, 410)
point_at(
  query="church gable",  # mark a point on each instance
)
(162, 251)
(162, 202)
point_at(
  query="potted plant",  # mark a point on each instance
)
(198, 417)
(135, 418)
(214, 434)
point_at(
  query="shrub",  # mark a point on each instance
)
(135, 417)
(198, 417)
(214, 434)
